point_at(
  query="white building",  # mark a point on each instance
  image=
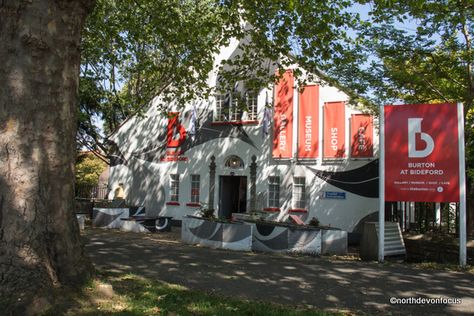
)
(316, 159)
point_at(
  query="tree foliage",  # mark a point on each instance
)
(88, 169)
(133, 51)
(380, 51)
(430, 60)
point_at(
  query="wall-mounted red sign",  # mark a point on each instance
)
(362, 136)
(175, 137)
(308, 122)
(176, 133)
(283, 117)
(421, 153)
(334, 129)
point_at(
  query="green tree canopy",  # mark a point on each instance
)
(133, 51)
(88, 169)
(380, 51)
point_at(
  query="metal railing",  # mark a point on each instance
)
(99, 192)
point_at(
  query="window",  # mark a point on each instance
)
(252, 106)
(195, 184)
(235, 113)
(221, 107)
(229, 107)
(299, 196)
(234, 162)
(174, 187)
(273, 191)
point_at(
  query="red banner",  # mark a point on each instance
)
(308, 121)
(421, 153)
(283, 117)
(362, 136)
(334, 129)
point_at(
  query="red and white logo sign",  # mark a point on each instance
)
(421, 153)
(175, 137)
(176, 133)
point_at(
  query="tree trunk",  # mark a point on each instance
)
(40, 246)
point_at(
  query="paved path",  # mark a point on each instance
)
(322, 283)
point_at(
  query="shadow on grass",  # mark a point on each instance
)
(113, 293)
(307, 282)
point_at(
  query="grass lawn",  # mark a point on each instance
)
(118, 294)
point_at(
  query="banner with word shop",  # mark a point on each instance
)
(334, 129)
(308, 122)
(362, 136)
(283, 117)
(421, 153)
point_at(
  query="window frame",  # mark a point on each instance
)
(195, 187)
(231, 113)
(174, 188)
(220, 114)
(234, 162)
(299, 198)
(252, 107)
(274, 187)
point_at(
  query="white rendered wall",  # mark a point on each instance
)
(147, 183)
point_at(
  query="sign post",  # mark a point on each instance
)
(419, 144)
(462, 189)
(382, 185)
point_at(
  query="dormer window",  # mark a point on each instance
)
(251, 99)
(236, 108)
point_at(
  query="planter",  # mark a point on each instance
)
(333, 242)
(275, 237)
(143, 224)
(109, 217)
(216, 234)
(113, 217)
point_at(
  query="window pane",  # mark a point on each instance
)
(299, 196)
(195, 186)
(174, 187)
(252, 106)
(274, 191)
(220, 108)
(235, 112)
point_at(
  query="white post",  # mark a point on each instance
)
(321, 129)
(382, 184)
(411, 205)
(462, 189)
(438, 214)
(403, 208)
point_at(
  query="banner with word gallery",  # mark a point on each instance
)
(308, 122)
(283, 117)
(421, 153)
(334, 129)
(362, 136)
